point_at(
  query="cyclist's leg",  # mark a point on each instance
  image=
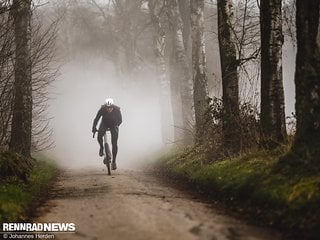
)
(114, 140)
(101, 132)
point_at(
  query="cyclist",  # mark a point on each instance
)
(111, 120)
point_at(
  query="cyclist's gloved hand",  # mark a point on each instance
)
(94, 129)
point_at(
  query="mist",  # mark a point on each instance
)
(289, 53)
(79, 93)
(90, 73)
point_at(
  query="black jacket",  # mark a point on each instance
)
(109, 119)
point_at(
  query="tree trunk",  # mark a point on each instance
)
(307, 80)
(273, 126)
(125, 33)
(176, 102)
(155, 8)
(200, 84)
(6, 79)
(183, 71)
(229, 73)
(22, 110)
(129, 44)
(184, 8)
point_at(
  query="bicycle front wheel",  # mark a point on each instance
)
(107, 158)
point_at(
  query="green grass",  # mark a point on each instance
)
(17, 195)
(290, 201)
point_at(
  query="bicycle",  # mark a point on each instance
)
(106, 152)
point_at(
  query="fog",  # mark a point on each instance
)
(289, 59)
(87, 77)
(80, 91)
(82, 88)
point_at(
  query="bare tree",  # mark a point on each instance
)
(22, 109)
(184, 8)
(115, 27)
(230, 83)
(6, 75)
(289, 20)
(181, 83)
(125, 11)
(246, 32)
(200, 84)
(156, 8)
(273, 126)
(306, 146)
(43, 72)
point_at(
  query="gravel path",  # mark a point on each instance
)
(133, 205)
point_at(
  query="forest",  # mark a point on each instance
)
(239, 97)
(204, 81)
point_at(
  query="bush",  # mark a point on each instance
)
(213, 139)
(14, 165)
(18, 197)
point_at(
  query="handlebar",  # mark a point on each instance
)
(94, 133)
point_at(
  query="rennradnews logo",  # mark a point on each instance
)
(35, 230)
(38, 227)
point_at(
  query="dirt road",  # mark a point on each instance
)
(133, 205)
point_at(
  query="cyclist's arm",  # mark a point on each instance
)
(95, 121)
(119, 117)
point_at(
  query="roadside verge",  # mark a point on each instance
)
(21, 184)
(252, 186)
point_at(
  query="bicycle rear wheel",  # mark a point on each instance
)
(108, 158)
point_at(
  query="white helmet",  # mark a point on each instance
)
(109, 102)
